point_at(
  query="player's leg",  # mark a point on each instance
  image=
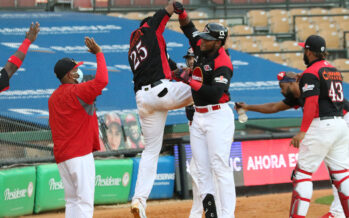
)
(312, 151)
(196, 208)
(220, 132)
(153, 131)
(178, 95)
(70, 196)
(200, 154)
(337, 161)
(82, 171)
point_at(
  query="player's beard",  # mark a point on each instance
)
(305, 59)
(288, 94)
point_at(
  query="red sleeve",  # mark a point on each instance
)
(88, 91)
(310, 106)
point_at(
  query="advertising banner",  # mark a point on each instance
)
(49, 188)
(164, 182)
(271, 162)
(113, 180)
(17, 191)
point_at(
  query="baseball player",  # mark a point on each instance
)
(15, 61)
(74, 127)
(196, 209)
(155, 95)
(212, 129)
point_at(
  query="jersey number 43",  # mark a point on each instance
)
(138, 55)
(336, 91)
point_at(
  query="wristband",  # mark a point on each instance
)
(183, 15)
(15, 60)
(25, 45)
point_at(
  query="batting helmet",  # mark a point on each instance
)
(214, 31)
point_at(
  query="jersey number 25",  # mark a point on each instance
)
(336, 92)
(138, 55)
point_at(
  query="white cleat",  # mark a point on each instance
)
(138, 210)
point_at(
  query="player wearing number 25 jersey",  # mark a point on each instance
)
(324, 134)
(155, 95)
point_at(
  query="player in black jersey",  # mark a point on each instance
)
(15, 61)
(155, 95)
(324, 134)
(212, 129)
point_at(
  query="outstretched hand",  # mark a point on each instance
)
(184, 75)
(33, 31)
(178, 7)
(92, 46)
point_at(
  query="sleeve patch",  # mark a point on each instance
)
(221, 79)
(307, 87)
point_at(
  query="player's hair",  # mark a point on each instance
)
(145, 20)
(321, 55)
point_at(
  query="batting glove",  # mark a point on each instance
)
(178, 7)
(184, 75)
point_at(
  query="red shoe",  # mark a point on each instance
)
(328, 215)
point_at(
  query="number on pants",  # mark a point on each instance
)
(138, 55)
(336, 92)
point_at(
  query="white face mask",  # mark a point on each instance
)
(81, 75)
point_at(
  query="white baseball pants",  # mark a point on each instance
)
(152, 111)
(336, 206)
(78, 177)
(211, 135)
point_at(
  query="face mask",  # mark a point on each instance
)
(81, 75)
(305, 59)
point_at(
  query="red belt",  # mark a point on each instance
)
(207, 108)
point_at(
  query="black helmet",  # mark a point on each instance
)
(190, 53)
(214, 31)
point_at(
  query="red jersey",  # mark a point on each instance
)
(72, 115)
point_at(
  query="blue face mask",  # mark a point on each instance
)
(81, 75)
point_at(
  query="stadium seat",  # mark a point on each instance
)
(248, 47)
(278, 13)
(340, 18)
(296, 63)
(276, 57)
(257, 18)
(270, 46)
(289, 45)
(320, 19)
(346, 40)
(333, 39)
(328, 27)
(341, 64)
(142, 2)
(314, 11)
(240, 39)
(344, 25)
(116, 14)
(200, 24)
(296, 11)
(7, 3)
(197, 15)
(174, 25)
(102, 3)
(241, 29)
(304, 30)
(26, 3)
(279, 24)
(338, 11)
(221, 21)
(121, 2)
(263, 39)
(289, 57)
(135, 16)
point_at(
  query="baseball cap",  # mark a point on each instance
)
(190, 53)
(64, 65)
(284, 78)
(314, 43)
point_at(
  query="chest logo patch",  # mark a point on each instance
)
(197, 74)
(307, 87)
(207, 67)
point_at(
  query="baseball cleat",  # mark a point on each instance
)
(331, 215)
(138, 210)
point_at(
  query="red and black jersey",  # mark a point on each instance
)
(324, 80)
(4, 80)
(213, 72)
(294, 102)
(147, 55)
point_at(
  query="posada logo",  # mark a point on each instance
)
(18, 193)
(107, 181)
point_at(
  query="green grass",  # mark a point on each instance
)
(327, 200)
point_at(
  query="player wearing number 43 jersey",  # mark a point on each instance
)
(155, 95)
(324, 134)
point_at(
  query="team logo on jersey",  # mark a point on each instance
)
(307, 87)
(197, 74)
(221, 79)
(207, 67)
(332, 75)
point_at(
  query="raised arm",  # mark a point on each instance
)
(267, 108)
(15, 61)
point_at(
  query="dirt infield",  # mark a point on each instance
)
(261, 206)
